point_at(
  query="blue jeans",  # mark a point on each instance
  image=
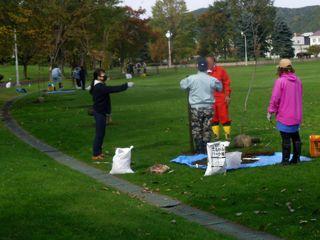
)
(101, 123)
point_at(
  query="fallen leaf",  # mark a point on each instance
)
(290, 208)
(238, 214)
(303, 221)
(283, 190)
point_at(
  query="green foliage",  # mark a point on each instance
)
(168, 14)
(255, 18)
(221, 26)
(281, 40)
(172, 15)
(216, 30)
(301, 20)
(314, 50)
(130, 34)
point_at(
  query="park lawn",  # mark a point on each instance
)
(34, 72)
(153, 118)
(41, 199)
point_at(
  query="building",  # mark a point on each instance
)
(315, 38)
(301, 42)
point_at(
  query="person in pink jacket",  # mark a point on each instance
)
(286, 105)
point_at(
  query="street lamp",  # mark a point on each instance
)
(245, 47)
(16, 57)
(169, 35)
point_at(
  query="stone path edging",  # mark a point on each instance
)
(166, 203)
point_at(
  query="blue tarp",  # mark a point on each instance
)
(61, 92)
(264, 161)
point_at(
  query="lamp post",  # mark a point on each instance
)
(16, 58)
(245, 47)
(169, 35)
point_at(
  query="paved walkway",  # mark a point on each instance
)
(166, 203)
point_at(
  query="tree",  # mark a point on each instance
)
(215, 30)
(255, 18)
(185, 40)
(168, 14)
(172, 15)
(256, 21)
(130, 34)
(158, 46)
(314, 50)
(281, 40)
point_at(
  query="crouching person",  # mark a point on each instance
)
(200, 87)
(102, 107)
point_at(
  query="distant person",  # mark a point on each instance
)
(102, 107)
(83, 77)
(144, 65)
(138, 67)
(129, 71)
(56, 75)
(76, 77)
(286, 105)
(200, 87)
(222, 100)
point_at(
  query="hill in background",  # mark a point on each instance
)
(300, 20)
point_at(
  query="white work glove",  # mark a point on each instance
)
(269, 116)
(130, 84)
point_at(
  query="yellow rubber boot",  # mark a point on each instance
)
(227, 132)
(216, 132)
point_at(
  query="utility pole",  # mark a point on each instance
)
(16, 57)
(245, 47)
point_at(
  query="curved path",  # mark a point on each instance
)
(166, 203)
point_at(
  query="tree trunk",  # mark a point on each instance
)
(25, 70)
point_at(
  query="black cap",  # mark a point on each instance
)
(202, 65)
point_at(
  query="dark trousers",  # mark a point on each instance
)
(287, 138)
(101, 123)
(83, 83)
(78, 82)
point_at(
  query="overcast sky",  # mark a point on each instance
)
(195, 4)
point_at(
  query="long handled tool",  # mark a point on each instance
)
(190, 125)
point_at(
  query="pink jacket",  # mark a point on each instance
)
(286, 100)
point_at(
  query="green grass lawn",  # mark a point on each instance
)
(36, 72)
(40, 199)
(153, 118)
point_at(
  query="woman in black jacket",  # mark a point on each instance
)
(101, 107)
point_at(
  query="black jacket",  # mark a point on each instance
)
(83, 74)
(101, 97)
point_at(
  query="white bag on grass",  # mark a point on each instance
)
(233, 160)
(128, 76)
(216, 158)
(121, 161)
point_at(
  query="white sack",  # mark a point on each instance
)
(121, 161)
(233, 160)
(216, 158)
(128, 76)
